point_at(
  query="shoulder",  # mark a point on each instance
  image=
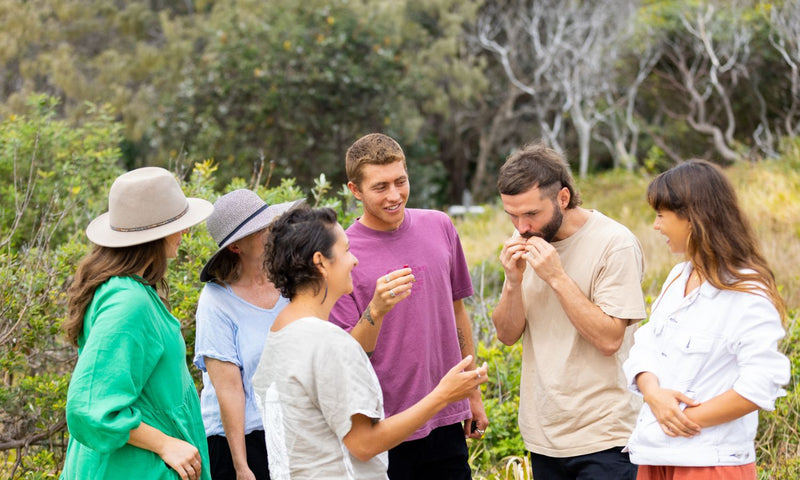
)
(426, 215)
(123, 289)
(612, 227)
(609, 234)
(212, 292)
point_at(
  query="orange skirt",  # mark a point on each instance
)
(656, 472)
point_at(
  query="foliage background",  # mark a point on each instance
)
(267, 95)
(61, 176)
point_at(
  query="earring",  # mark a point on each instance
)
(326, 292)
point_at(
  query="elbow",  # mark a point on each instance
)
(610, 348)
(506, 339)
(363, 452)
(504, 333)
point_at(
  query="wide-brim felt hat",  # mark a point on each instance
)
(238, 214)
(144, 205)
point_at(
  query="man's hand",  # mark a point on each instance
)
(512, 257)
(479, 417)
(544, 259)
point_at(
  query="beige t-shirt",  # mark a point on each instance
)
(574, 400)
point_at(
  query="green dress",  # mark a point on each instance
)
(131, 368)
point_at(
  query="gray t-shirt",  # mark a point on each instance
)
(312, 378)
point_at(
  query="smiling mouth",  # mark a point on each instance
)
(393, 208)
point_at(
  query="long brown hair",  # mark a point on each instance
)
(721, 243)
(103, 263)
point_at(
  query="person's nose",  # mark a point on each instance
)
(524, 226)
(657, 224)
(393, 194)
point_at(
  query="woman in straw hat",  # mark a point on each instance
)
(132, 407)
(236, 308)
(321, 402)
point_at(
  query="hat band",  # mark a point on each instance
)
(244, 222)
(154, 225)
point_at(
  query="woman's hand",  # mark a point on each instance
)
(390, 289)
(666, 406)
(458, 383)
(245, 474)
(182, 457)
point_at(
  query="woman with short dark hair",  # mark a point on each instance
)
(320, 399)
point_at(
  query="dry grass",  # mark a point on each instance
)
(770, 195)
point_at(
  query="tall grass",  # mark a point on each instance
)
(769, 192)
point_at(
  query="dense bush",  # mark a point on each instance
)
(44, 213)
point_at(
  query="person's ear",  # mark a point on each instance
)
(354, 190)
(234, 247)
(319, 262)
(563, 197)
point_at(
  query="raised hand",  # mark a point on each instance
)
(390, 289)
(512, 257)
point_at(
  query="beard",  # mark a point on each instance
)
(548, 232)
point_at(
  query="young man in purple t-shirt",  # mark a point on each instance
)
(418, 341)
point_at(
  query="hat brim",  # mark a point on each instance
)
(100, 232)
(255, 224)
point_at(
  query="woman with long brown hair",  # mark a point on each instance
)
(132, 407)
(708, 358)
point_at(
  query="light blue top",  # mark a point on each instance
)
(231, 330)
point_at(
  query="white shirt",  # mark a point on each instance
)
(312, 378)
(703, 345)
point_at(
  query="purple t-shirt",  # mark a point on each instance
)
(417, 343)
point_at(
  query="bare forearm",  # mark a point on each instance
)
(390, 432)
(464, 331)
(509, 314)
(227, 380)
(603, 331)
(723, 408)
(148, 438)
(232, 408)
(367, 329)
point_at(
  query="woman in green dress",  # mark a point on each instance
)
(132, 407)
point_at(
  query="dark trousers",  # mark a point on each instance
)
(442, 455)
(609, 464)
(219, 454)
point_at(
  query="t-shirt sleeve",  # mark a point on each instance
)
(216, 332)
(459, 275)
(618, 288)
(119, 355)
(346, 385)
(345, 313)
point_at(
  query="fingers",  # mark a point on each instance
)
(193, 468)
(474, 428)
(460, 366)
(690, 402)
(395, 286)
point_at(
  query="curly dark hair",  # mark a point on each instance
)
(291, 244)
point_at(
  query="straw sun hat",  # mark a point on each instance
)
(144, 205)
(236, 215)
